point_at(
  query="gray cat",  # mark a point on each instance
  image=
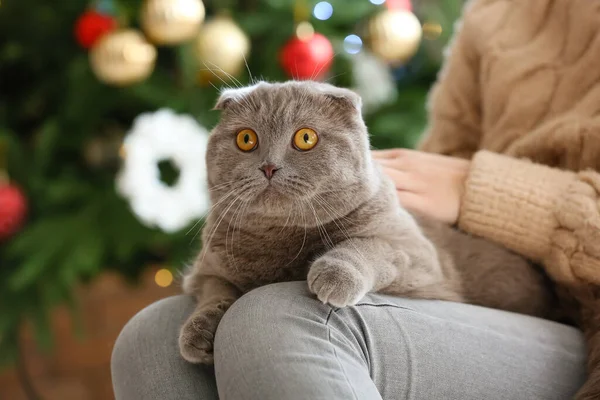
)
(297, 197)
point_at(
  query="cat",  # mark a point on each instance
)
(297, 196)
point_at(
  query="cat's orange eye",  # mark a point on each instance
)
(305, 139)
(246, 140)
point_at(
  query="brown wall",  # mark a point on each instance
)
(79, 367)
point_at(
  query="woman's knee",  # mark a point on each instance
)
(270, 310)
(270, 317)
(276, 343)
(146, 362)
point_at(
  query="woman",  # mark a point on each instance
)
(522, 81)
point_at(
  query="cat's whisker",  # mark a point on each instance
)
(292, 191)
(215, 74)
(293, 223)
(244, 211)
(343, 230)
(203, 218)
(180, 274)
(207, 214)
(248, 68)
(325, 238)
(331, 212)
(240, 216)
(231, 256)
(314, 75)
(332, 209)
(241, 182)
(335, 76)
(238, 181)
(233, 78)
(250, 102)
(304, 239)
(298, 181)
(237, 209)
(331, 216)
(241, 189)
(213, 85)
(222, 184)
(206, 246)
(343, 190)
(209, 210)
(286, 220)
(296, 68)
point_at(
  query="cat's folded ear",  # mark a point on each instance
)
(233, 95)
(225, 99)
(345, 97)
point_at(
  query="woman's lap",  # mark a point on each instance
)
(146, 364)
(278, 342)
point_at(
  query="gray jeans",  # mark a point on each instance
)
(279, 343)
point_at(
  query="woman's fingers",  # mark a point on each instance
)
(430, 184)
(389, 163)
(414, 156)
(402, 180)
(386, 154)
(411, 201)
(419, 169)
(407, 160)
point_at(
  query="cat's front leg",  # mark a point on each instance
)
(343, 275)
(214, 295)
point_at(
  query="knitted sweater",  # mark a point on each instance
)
(522, 79)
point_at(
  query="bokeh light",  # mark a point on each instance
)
(163, 277)
(432, 30)
(377, 2)
(353, 44)
(305, 30)
(122, 151)
(323, 10)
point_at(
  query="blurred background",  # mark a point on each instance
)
(105, 107)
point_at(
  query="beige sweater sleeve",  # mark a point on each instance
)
(548, 215)
(454, 109)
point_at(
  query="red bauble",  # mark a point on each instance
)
(91, 26)
(307, 59)
(13, 208)
(399, 5)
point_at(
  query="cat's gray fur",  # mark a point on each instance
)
(328, 216)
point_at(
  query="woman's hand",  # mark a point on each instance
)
(426, 183)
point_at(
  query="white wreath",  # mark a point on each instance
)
(155, 137)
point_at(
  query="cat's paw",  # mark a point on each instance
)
(197, 334)
(336, 282)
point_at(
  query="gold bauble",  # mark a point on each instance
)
(221, 48)
(172, 21)
(394, 35)
(122, 58)
(105, 150)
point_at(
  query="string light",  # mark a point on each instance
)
(323, 10)
(163, 278)
(352, 44)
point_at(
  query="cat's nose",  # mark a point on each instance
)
(269, 170)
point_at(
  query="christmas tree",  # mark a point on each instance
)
(74, 76)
